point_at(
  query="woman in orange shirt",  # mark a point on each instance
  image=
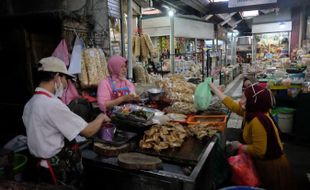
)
(261, 136)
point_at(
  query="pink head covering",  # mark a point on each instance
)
(114, 65)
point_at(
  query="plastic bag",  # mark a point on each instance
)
(243, 170)
(203, 95)
(61, 52)
(70, 93)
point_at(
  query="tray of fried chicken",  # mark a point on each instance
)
(172, 135)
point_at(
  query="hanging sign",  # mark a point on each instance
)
(244, 3)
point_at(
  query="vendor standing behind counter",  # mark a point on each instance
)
(51, 127)
(115, 89)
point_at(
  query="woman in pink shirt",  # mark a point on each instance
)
(115, 89)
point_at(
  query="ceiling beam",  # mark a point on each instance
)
(207, 17)
(196, 5)
(184, 9)
(222, 7)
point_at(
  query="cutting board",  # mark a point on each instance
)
(138, 161)
(110, 150)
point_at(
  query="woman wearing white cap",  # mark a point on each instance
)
(51, 127)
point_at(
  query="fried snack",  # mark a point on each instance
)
(160, 137)
(144, 49)
(92, 60)
(83, 76)
(137, 46)
(139, 74)
(104, 64)
(181, 107)
(202, 130)
(148, 42)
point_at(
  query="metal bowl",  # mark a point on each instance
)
(155, 93)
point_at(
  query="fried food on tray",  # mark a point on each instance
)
(160, 137)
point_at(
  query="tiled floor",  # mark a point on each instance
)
(298, 154)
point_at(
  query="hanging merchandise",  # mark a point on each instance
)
(148, 42)
(104, 64)
(61, 52)
(94, 67)
(70, 93)
(136, 45)
(144, 50)
(83, 76)
(142, 46)
(76, 56)
(139, 73)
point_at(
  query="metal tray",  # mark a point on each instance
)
(189, 153)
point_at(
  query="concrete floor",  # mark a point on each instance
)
(298, 154)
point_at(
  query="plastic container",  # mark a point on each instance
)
(285, 119)
(219, 121)
(107, 132)
(19, 164)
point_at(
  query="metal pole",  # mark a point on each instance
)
(129, 50)
(122, 29)
(196, 56)
(172, 50)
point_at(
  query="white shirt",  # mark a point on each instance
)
(48, 121)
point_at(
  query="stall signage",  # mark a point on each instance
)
(244, 3)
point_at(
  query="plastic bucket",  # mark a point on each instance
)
(285, 119)
(19, 164)
(241, 188)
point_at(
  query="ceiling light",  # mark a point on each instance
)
(282, 25)
(235, 32)
(250, 13)
(170, 12)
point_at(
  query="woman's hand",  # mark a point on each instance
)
(235, 145)
(130, 97)
(217, 91)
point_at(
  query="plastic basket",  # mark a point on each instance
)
(218, 121)
(19, 164)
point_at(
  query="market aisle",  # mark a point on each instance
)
(234, 89)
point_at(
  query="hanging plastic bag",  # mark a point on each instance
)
(76, 57)
(70, 93)
(203, 95)
(61, 52)
(243, 170)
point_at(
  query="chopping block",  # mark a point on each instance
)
(138, 161)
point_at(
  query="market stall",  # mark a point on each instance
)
(168, 127)
(189, 44)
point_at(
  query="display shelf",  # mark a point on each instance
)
(282, 87)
